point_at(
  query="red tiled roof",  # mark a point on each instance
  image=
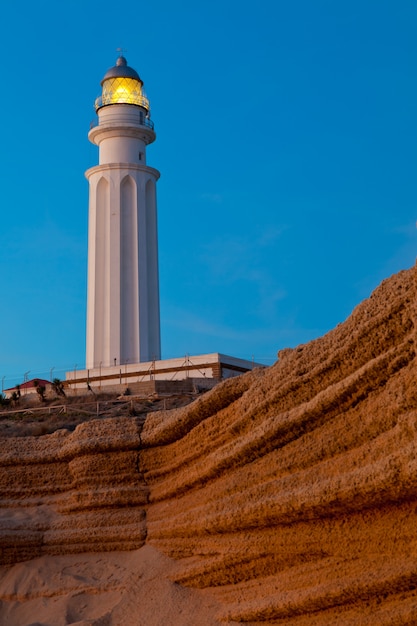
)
(30, 384)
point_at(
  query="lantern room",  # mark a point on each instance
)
(122, 85)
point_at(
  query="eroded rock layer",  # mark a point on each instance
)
(288, 494)
(72, 492)
(292, 493)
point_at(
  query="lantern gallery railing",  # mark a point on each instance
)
(121, 98)
(143, 121)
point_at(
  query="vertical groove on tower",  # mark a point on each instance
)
(128, 273)
(102, 261)
(152, 271)
(143, 277)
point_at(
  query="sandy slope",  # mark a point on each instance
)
(286, 496)
(104, 589)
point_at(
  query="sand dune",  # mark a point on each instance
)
(286, 496)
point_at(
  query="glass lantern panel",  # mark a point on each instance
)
(123, 91)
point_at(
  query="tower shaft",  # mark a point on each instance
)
(123, 322)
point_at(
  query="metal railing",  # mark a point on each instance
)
(145, 121)
(135, 99)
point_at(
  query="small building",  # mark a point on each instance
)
(201, 372)
(28, 387)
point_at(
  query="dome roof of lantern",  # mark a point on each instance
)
(121, 70)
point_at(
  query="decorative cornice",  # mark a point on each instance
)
(121, 129)
(122, 166)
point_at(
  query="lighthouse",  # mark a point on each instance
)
(123, 322)
(123, 326)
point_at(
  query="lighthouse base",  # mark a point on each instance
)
(203, 370)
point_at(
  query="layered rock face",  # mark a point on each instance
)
(292, 492)
(68, 493)
(288, 494)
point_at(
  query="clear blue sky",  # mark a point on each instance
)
(287, 146)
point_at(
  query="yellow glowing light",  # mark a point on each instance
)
(123, 91)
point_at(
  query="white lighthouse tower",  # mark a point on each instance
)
(123, 288)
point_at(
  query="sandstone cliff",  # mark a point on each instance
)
(287, 496)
